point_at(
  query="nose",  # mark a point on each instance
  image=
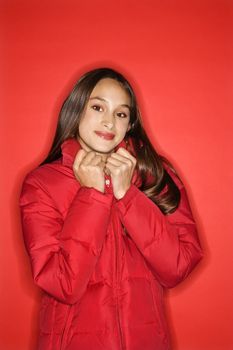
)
(108, 120)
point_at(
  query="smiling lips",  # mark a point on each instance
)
(105, 135)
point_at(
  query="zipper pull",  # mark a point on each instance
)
(107, 182)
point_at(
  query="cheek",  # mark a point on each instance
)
(83, 129)
(86, 123)
(123, 127)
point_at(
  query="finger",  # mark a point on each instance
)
(101, 165)
(122, 151)
(88, 158)
(106, 170)
(79, 157)
(95, 160)
(126, 161)
(115, 162)
(120, 158)
(110, 168)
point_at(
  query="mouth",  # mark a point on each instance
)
(105, 135)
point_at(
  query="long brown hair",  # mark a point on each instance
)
(161, 189)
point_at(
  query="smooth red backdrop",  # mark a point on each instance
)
(178, 55)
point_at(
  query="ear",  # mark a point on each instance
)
(129, 127)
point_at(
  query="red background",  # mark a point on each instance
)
(178, 55)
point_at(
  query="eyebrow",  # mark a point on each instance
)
(103, 99)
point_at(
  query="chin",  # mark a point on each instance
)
(104, 150)
(104, 146)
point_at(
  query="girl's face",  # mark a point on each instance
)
(105, 119)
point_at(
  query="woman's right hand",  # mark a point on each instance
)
(89, 170)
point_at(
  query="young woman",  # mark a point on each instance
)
(107, 225)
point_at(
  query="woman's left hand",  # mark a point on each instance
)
(120, 166)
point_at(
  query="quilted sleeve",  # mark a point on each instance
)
(63, 252)
(169, 243)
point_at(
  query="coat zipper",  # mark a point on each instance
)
(109, 190)
(117, 283)
(66, 327)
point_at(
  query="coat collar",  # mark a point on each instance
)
(71, 146)
(69, 149)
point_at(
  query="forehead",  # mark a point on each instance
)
(111, 90)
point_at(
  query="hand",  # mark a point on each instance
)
(89, 170)
(120, 166)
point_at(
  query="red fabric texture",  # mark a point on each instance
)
(102, 263)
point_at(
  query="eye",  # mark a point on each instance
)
(122, 115)
(97, 108)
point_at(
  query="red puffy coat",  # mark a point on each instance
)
(102, 263)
